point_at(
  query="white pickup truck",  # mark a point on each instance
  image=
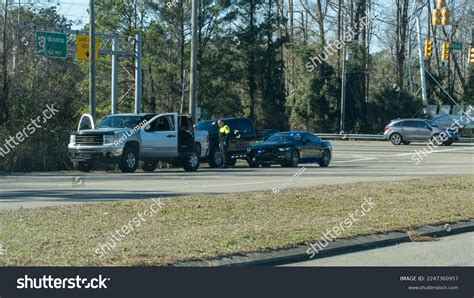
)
(130, 139)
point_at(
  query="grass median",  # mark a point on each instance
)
(207, 227)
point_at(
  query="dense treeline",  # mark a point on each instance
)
(254, 60)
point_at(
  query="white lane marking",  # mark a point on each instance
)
(400, 154)
(435, 151)
(355, 160)
(233, 184)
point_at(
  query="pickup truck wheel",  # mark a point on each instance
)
(253, 164)
(191, 163)
(198, 149)
(129, 162)
(231, 162)
(83, 166)
(149, 166)
(215, 158)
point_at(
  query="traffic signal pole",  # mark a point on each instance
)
(114, 91)
(138, 74)
(424, 95)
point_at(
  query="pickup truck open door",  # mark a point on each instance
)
(185, 134)
(160, 137)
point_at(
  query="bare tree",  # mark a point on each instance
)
(402, 26)
(4, 107)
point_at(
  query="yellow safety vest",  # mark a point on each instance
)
(225, 129)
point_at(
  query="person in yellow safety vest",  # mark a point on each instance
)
(224, 133)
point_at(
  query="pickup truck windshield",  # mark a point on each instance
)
(120, 122)
(210, 126)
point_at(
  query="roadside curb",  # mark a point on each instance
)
(342, 246)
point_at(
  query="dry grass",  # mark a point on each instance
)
(204, 227)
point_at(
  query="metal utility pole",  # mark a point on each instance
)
(193, 75)
(138, 74)
(343, 91)
(422, 62)
(115, 50)
(92, 68)
(183, 92)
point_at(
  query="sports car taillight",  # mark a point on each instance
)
(386, 128)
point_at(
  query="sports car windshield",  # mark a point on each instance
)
(283, 138)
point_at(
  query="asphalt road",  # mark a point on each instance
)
(352, 162)
(457, 250)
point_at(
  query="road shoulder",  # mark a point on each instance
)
(338, 247)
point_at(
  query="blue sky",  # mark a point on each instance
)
(75, 10)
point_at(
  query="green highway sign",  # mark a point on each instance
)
(456, 46)
(51, 44)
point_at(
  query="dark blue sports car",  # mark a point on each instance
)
(290, 149)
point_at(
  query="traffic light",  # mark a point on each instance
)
(471, 54)
(441, 4)
(428, 48)
(441, 14)
(445, 52)
(437, 17)
(446, 15)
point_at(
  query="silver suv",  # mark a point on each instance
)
(404, 131)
